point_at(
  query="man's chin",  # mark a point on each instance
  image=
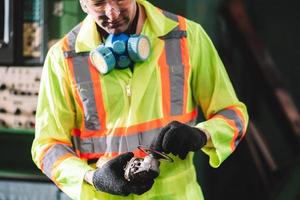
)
(116, 30)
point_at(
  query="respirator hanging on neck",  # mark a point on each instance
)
(120, 51)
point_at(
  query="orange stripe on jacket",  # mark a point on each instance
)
(241, 116)
(235, 128)
(131, 130)
(45, 150)
(165, 83)
(98, 94)
(186, 62)
(72, 75)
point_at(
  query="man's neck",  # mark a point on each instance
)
(133, 26)
(141, 20)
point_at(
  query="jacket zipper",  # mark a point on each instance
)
(128, 92)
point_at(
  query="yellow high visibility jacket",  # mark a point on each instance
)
(83, 115)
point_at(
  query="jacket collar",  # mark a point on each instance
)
(156, 25)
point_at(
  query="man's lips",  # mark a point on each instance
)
(114, 24)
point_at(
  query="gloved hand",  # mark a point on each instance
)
(110, 178)
(178, 138)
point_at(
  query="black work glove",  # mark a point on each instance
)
(110, 178)
(178, 138)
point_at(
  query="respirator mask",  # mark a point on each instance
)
(120, 51)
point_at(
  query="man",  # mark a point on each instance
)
(84, 116)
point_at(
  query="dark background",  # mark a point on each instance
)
(248, 172)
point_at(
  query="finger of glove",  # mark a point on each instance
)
(122, 159)
(175, 124)
(157, 142)
(180, 147)
(172, 141)
(142, 188)
(121, 189)
(200, 141)
(183, 149)
(153, 174)
(183, 155)
(148, 175)
(125, 189)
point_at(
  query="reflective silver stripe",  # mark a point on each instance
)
(120, 144)
(53, 154)
(109, 144)
(84, 84)
(176, 70)
(72, 35)
(232, 115)
(86, 91)
(170, 15)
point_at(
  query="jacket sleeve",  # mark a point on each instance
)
(226, 117)
(52, 149)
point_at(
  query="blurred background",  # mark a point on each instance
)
(258, 43)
